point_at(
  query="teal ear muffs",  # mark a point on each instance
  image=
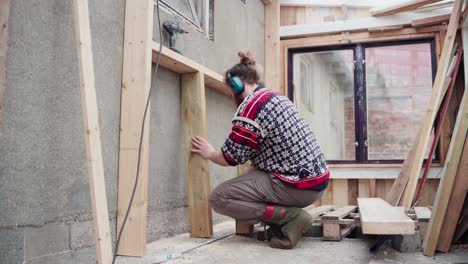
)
(236, 84)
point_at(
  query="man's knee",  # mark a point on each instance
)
(217, 199)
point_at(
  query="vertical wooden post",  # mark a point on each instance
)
(93, 141)
(198, 175)
(136, 81)
(4, 15)
(272, 44)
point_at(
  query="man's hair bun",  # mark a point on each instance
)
(246, 58)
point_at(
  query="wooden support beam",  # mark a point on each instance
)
(136, 82)
(4, 15)
(380, 218)
(198, 175)
(97, 184)
(436, 97)
(178, 63)
(402, 7)
(431, 21)
(272, 45)
(446, 184)
(357, 24)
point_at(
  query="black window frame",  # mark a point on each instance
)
(360, 88)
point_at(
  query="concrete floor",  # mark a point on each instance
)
(226, 248)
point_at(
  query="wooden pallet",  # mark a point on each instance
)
(337, 222)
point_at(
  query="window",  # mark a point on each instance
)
(363, 101)
(199, 13)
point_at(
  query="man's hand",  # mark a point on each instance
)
(202, 147)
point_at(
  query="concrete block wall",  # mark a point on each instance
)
(44, 194)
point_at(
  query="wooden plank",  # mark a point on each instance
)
(364, 188)
(446, 184)
(357, 24)
(339, 213)
(401, 7)
(353, 191)
(431, 21)
(449, 121)
(436, 97)
(272, 45)
(287, 16)
(358, 37)
(136, 82)
(178, 63)
(198, 175)
(340, 192)
(347, 230)
(423, 214)
(381, 29)
(243, 229)
(329, 3)
(89, 105)
(316, 211)
(4, 15)
(331, 232)
(460, 188)
(372, 187)
(380, 218)
(345, 221)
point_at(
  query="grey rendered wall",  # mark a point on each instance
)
(44, 199)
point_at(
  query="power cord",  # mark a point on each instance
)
(141, 137)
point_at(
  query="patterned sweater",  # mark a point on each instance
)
(269, 131)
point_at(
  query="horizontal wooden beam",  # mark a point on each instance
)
(358, 24)
(431, 21)
(402, 7)
(181, 64)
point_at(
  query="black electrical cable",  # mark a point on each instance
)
(141, 138)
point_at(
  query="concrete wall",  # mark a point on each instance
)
(44, 193)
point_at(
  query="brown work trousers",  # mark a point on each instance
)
(244, 198)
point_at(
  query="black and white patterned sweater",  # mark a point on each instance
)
(269, 131)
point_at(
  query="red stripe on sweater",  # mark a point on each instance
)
(256, 103)
(306, 183)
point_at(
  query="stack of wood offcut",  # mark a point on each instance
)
(449, 218)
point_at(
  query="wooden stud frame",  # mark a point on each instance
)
(136, 82)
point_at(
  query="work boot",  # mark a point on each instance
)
(272, 231)
(292, 221)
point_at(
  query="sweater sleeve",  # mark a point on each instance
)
(242, 143)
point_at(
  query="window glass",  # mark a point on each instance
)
(185, 8)
(324, 94)
(399, 84)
